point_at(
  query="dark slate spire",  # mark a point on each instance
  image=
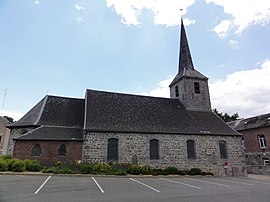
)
(185, 60)
(185, 66)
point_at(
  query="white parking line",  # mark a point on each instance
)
(98, 185)
(144, 185)
(236, 182)
(224, 185)
(43, 184)
(180, 183)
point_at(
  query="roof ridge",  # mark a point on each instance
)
(128, 94)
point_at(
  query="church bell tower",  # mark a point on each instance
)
(189, 85)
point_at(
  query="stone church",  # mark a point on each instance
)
(180, 131)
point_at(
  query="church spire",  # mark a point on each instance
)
(185, 60)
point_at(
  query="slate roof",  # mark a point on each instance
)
(55, 111)
(251, 123)
(53, 133)
(107, 111)
(60, 118)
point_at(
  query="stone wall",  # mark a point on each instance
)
(172, 150)
(15, 132)
(49, 151)
(187, 95)
(4, 137)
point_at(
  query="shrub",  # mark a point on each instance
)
(134, 170)
(172, 170)
(120, 172)
(102, 168)
(3, 165)
(195, 171)
(17, 166)
(10, 163)
(86, 168)
(156, 172)
(32, 165)
(183, 172)
(5, 157)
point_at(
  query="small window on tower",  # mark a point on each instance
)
(197, 87)
(176, 91)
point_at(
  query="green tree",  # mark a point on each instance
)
(10, 119)
(226, 117)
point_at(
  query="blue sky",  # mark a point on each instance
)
(64, 47)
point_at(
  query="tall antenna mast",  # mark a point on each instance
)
(5, 94)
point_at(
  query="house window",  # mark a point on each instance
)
(112, 153)
(36, 151)
(191, 149)
(197, 87)
(62, 150)
(154, 147)
(262, 141)
(265, 161)
(223, 149)
(176, 91)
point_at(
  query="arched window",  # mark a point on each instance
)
(223, 149)
(154, 149)
(112, 152)
(62, 150)
(36, 151)
(191, 153)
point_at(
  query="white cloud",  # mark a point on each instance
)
(246, 92)
(162, 89)
(37, 2)
(234, 44)
(164, 12)
(243, 13)
(79, 7)
(222, 28)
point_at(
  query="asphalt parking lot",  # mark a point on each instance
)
(25, 188)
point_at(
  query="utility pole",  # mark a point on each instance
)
(5, 94)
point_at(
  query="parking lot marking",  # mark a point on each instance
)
(224, 185)
(98, 185)
(43, 184)
(180, 183)
(236, 182)
(144, 185)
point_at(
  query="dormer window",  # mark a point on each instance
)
(176, 91)
(197, 87)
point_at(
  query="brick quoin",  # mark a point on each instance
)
(49, 151)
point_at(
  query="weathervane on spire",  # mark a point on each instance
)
(181, 12)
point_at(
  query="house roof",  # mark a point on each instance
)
(251, 123)
(4, 121)
(107, 111)
(55, 111)
(52, 133)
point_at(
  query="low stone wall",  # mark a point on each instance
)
(172, 150)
